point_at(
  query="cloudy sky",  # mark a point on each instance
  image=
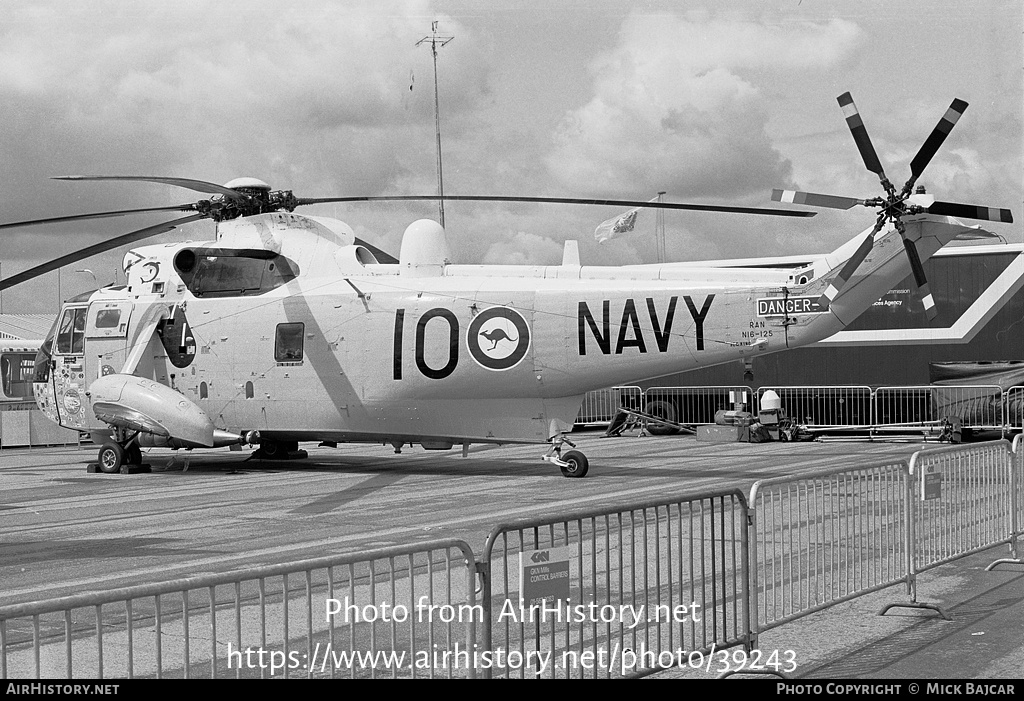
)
(711, 101)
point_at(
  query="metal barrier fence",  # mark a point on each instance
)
(599, 406)
(623, 590)
(964, 501)
(977, 406)
(693, 405)
(825, 538)
(858, 407)
(825, 406)
(1013, 408)
(647, 586)
(391, 607)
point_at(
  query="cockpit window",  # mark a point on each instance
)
(71, 332)
(43, 355)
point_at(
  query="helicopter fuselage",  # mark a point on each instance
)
(283, 326)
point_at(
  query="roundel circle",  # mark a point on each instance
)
(498, 338)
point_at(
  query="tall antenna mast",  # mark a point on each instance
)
(436, 41)
(659, 230)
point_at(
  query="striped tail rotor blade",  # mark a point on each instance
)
(860, 135)
(924, 292)
(846, 273)
(971, 211)
(934, 140)
(814, 199)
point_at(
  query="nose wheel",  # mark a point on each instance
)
(113, 456)
(572, 463)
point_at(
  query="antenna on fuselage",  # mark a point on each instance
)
(436, 41)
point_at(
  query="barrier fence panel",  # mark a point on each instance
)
(963, 501)
(694, 405)
(600, 405)
(395, 612)
(841, 406)
(1013, 409)
(826, 537)
(651, 585)
(977, 406)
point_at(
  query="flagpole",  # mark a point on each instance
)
(660, 230)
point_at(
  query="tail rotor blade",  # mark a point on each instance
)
(923, 290)
(971, 211)
(934, 141)
(851, 266)
(813, 199)
(860, 135)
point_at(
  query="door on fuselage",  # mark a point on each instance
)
(68, 376)
(106, 338)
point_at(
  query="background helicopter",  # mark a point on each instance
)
(289, 328)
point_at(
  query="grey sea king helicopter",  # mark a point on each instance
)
(288, 328)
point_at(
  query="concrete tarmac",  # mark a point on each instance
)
(63, 531)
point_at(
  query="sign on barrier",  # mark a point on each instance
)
(395, 612)
(649, 585)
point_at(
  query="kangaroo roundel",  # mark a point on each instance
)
(498, 338)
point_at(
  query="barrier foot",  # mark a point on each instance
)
(1004, 561)
(916, 605)
(759, 672)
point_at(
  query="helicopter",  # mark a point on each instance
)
(289, 328)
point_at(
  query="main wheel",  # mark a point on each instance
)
(111, 458)
(577, 464)
(133, 454)
(277, 450)
(663, 410)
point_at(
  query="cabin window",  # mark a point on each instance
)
(108, 318)
(288, 348)
(204, 391)
(250, 391)
(16, 372)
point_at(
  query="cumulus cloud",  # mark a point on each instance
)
(677, 105)
(524, 249)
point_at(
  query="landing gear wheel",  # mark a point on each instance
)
(111, 457)
(133, 454)
(663, 410)
(576, 465)
(277, 450)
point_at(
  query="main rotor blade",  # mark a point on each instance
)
(860, 135)
(923, 291)
(188, 184)
(971, 211)
(100, 215)
(566, 200)
(814, 199)
(934, 141)
(101, 247)
(851, 266)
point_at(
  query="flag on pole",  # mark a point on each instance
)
(622, 224)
